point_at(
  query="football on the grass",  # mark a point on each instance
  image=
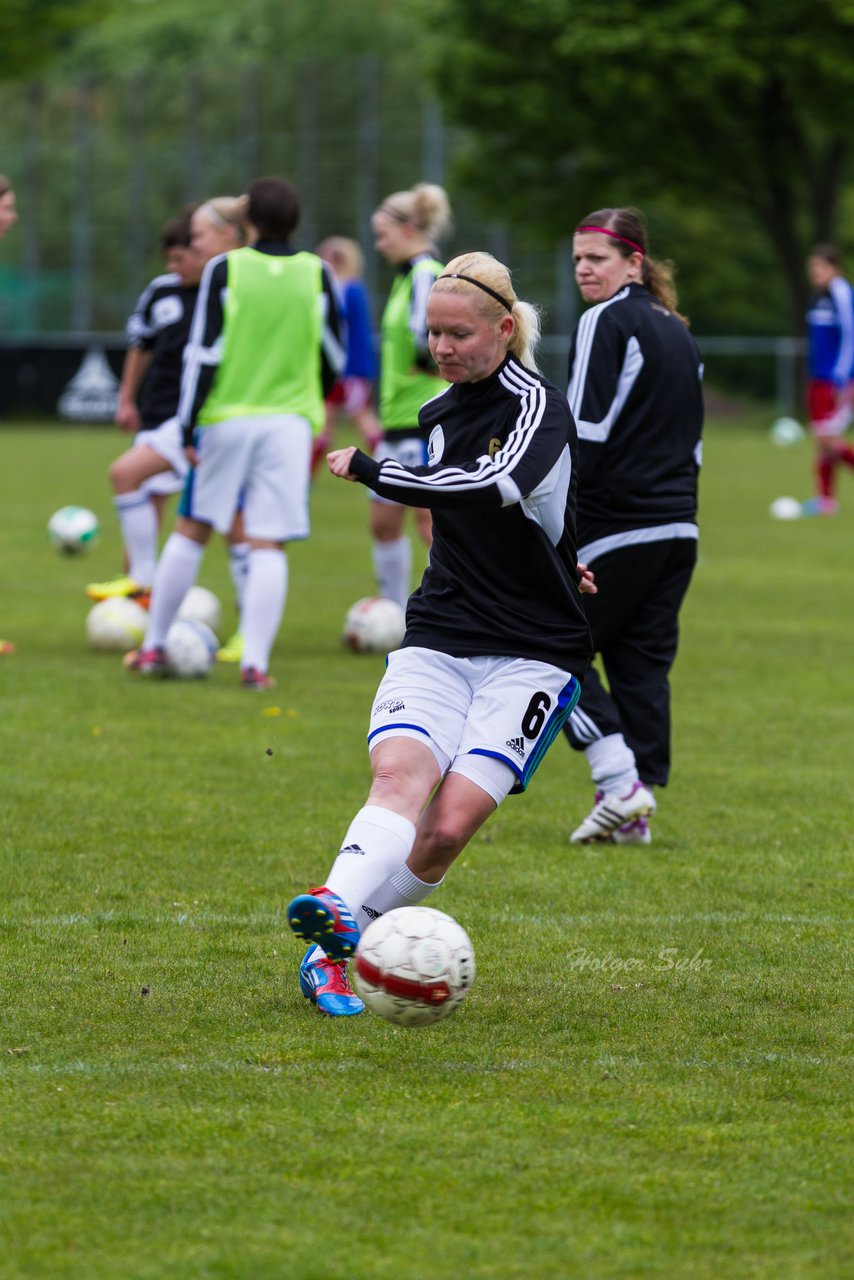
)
(116, 625)
(190, 650)
(201, 605)
(73, 530)
(413, 966)
(374, 625)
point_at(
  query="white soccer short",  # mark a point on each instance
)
(167, 441)
(267, 458)
(490, 719)
(411, 451)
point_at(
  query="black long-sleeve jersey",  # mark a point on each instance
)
(501, 482)
(204, 351)
(635, 391)
(160, 323)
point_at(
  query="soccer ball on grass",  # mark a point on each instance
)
(201, 605)
(73, 530)
(413, 966)
(116, 625)
(786, 431)
(786, 509)
(190, 649)
(374, 625)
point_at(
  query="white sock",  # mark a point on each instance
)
(403, 889)
(376, 846)
(238, 562)
(263, 605)
(612, 764)
(176, 572)
(138, 521)
(393, 569)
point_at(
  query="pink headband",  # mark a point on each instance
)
(605, 232)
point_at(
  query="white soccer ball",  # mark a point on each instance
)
(374, 625)
(73, 530)
(785, 509)
(116, 625)
(786, 431)
(190, 650)
(201, 605)
(413, 966)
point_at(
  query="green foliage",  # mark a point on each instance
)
(730, 123)
(172, 1106)
(727, 106)
(32, 32)
(163, 34)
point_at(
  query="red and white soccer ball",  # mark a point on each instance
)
(413, 966)
(374, 625)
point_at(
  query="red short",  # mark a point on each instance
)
(351, 394)
(829, 410)
(821, 400)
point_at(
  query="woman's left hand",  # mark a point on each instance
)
(586, 581)
(339, 460)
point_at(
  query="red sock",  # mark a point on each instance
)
(825, 469)
(846, 455)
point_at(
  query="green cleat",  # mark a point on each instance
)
(232, 650)
(120, 586)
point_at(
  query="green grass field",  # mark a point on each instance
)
(652, 1075)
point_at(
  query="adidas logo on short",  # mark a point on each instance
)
(353, 848)
(517, 745)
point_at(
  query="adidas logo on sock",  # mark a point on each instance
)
(353, 848)
(369, 911)
(517, 745)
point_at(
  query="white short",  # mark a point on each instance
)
(166, 440)
(836, 425)
(268, 460)
(411, 451)
(352, 394)
(474, 712)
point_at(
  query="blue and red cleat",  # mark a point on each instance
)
(326, 985)
(325, 919)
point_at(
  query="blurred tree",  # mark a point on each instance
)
(732, 105)
(34, 31)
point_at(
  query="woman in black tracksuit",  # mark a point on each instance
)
(635, 392)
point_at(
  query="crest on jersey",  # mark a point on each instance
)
(436, 445)
(166, 311)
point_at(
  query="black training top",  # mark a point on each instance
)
(160, 323)
(501, 485)
(635, 391)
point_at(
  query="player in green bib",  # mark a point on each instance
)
(406, 227)
(263, 351)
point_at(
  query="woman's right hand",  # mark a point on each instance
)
(127, 416)
(339, 460)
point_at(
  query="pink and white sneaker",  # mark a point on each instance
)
(147, 662)
(252, 678)
(611, 812)
(636, 832)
